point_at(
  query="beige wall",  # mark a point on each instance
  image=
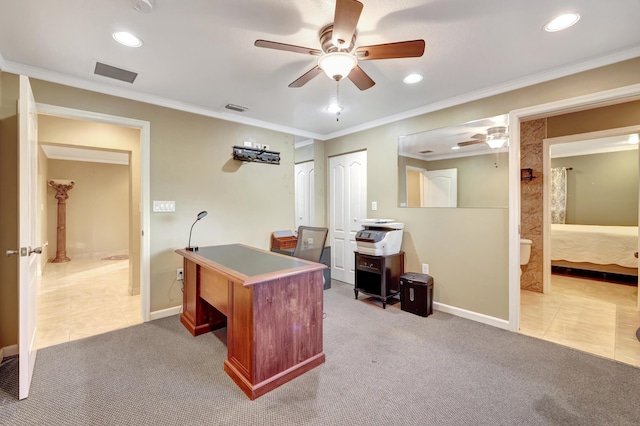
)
(304, 153)
(412, 199)
(320, 168)
(483, 180)
(44, 212)
(413, 179)
(475, 238)
(602, 189)
(8, 208)
(595, 119)
(97, 219)
(191, 164)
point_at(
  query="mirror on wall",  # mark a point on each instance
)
(466, 165)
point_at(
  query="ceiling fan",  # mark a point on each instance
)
(338, 58)
(495, 137)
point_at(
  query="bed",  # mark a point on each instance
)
(607, 249)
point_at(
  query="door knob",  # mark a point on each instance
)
(37, 250)
(636, 254)
(12, 252)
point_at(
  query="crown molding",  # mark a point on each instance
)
(121, 92)
(529, 80)
(498, 89)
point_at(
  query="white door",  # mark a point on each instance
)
(29, 238)
(304, 189)
(440, 188)
(348, 206)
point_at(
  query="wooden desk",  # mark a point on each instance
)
(271, 305)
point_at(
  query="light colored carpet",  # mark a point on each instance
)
(383, 367)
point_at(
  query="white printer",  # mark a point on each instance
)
(380, 237)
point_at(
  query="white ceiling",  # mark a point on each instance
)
(440, 143)
(198, 55)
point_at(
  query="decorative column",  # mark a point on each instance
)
(62, 188)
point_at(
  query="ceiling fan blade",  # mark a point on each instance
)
(287, 47)
(467, 143)
(401, 49)
(345, 21)
(480, 136)
(306, 77)
(360, 78)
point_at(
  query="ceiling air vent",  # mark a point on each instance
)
(426, 152)
(115, 72)
(234, 107)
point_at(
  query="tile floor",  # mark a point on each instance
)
(593, 316)
(82, 298)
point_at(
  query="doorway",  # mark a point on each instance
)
(591, 301)
(91, 293)
(586, 102)
(139, 206)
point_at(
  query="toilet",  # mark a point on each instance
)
(525, 252)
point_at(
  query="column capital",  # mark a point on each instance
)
(62, 187)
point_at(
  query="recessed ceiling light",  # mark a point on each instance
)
(562, 22)
(334, 108)
(412, 78)
(455, 147)
(127, 39)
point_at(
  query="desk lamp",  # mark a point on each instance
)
(200, 216)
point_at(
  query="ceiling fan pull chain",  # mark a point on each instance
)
(338, 100)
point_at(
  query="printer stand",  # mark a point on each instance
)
(379, 276)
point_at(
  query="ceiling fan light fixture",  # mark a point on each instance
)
(337, 65)
(334, 108)
(496, 137)
(496, 143)
(412, 79)
(127, 39)
(562, 22)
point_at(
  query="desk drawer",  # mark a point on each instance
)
(214, 288)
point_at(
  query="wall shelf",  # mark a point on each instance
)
(255, 155)
(526, 175)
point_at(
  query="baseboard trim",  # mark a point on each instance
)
(163, 313)
(10, 350)
(473, 316)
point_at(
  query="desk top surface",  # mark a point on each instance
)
(246, 260)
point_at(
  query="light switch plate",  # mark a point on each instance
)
(164, 206)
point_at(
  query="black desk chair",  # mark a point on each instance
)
(310, 243)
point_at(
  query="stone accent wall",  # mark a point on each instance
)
(532, 134)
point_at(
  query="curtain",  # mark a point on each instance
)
(558, 195)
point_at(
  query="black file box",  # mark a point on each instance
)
(416, 293)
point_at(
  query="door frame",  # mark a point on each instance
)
(144, 208)
(546, 198)
(539, 111)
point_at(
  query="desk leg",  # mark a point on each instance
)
(197, 315)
